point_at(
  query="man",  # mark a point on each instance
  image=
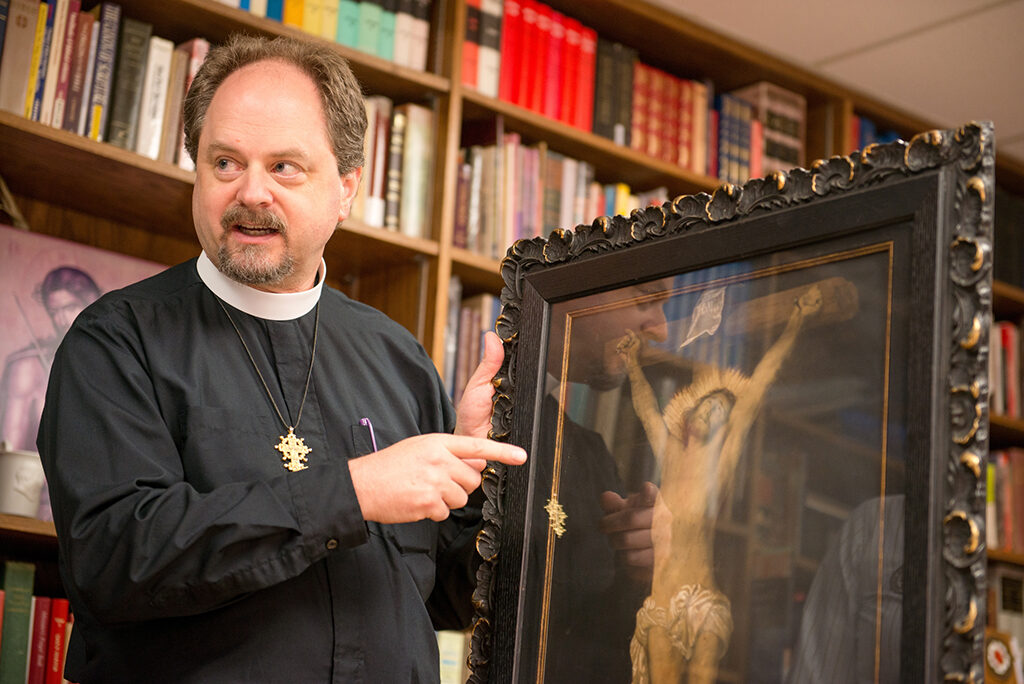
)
(250, 473)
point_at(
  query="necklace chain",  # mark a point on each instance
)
(292, 447)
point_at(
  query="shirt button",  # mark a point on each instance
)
(332, 544)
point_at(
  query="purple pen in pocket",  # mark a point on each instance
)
(369, 426)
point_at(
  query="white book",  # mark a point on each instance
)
(421, 35)
(60, 23)
(417, 169)
(154, 97)
(405, 36)
(258, 7)
(489, 57)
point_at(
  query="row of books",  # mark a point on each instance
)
(1005, 380)
(395, 30)
(35, 629)
(526, 53)
(517, 191)
(1004, 514)
(468, 319)
(864, 131)
(395, 191)
(99, 74)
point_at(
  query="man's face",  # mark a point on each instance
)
(594, 359)
(268, 194)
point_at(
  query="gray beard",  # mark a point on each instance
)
(248, 266)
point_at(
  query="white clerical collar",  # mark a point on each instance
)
(273, 306)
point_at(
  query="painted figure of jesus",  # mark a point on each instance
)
(684, 626)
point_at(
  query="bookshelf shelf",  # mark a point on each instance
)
(1007, 300)
(1005, 431)
(478, 273)
(1004, 556)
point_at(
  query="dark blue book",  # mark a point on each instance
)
(275, 9)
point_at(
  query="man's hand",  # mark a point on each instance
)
(627, 522)
(424, 476)
(473, 417)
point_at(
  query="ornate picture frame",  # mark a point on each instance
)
(757, 427)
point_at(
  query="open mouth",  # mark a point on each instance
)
(254, 231)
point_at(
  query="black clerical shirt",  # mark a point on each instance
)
(189, 553)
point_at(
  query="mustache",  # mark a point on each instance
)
(255, 218)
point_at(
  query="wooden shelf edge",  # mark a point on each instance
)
(22, 525)
(1006, 556)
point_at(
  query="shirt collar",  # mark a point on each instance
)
(274, 306)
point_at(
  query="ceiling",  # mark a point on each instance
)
(945, 61)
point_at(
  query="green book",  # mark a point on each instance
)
(123, 124)
(18, 579)
(369, 26)
(348, 23)
(386, 39)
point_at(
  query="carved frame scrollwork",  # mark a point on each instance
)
(965, 159)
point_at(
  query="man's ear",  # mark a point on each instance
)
(349, 187)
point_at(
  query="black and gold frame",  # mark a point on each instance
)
(828, 520)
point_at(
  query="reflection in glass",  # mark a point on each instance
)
(720, 449)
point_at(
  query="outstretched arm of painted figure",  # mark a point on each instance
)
(644, 402)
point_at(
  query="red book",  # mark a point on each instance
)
(40, 634)
(511, 51)
(684, 138)
(536, 74)
(551, 104)
(67, 53)
(77, 87)
(570, 77)
(529, 66)
(471, 43)
(712, 158)
(585, 85)
(756, 148)
(641, 111)
(1009, 336)
(56, 644)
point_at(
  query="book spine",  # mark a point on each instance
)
(511, 49)
(471, 44)
(196, 49)
(624, 58)
(53, 63)
(386, 37)
(329, 21)
(109, 20)
(154, 97)
(417, 169)
(375, 203)
(5, 6)
(538, 58)
(421, 12)
(172, 122)
(67, 53)
(489, 51)
(393, 188)
(37, 645)
(569, 80)
(405, 34)
(23, 16)
(39, 45)
(129, 73)
(14, 639)
(291, 14)
(85, 108)
(258, 7)
(551, 94)
(275, 10)
(348, 23)
(56, 643)
(369, 26)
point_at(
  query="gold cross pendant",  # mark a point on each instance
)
(293, 451)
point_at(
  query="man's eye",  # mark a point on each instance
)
(223, 164)
(284, 168)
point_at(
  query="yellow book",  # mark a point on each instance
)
(622, 199)
(329, 27)
(313, 16)
(293, 12)
(37, 55)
